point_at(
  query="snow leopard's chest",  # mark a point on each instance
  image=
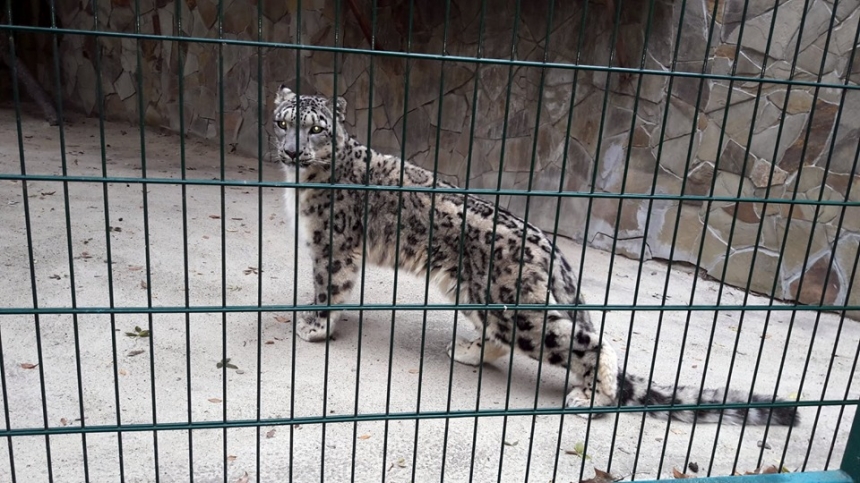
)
(291, 210)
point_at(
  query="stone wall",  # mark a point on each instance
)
(720, 137)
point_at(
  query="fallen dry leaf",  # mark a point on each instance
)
(270, 342)
(600, 477)
(768, 470)
(413, 371)
(27, 365)
(135, 268)
(143, 285)
(55, 277)
(215, 217)
(122, 372)
(85, 255)
(282, 319)
(364, 436)
(270, 434)
(679, 475)
(678, 431)
(231, 457)
(47, 193)
(136, 352)
(243, 479)
(214, 400)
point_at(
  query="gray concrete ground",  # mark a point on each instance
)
(454, 448)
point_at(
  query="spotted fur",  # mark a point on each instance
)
(313, 147)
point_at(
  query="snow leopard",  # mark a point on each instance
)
(506, 261)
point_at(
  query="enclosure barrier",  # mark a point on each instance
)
(38, 424)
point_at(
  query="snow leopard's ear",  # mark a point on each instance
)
(284, 94)
(338, 107)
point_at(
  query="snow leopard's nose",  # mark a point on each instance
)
(290, 154)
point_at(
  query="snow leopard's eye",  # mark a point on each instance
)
(316, 130)
(282, 124)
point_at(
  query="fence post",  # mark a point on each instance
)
(851, 457)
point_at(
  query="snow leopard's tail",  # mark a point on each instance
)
(634, 391)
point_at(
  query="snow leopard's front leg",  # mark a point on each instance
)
(342, 273)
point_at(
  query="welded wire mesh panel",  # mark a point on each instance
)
(654, 200)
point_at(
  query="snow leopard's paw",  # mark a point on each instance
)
(581, 397)
(312, 328)
(470, 352)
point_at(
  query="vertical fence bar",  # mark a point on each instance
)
(261, 102)
(13, 67)
(295, 234)
(705, 223)
(395, 278)
(146, 231)
(222, 158)
(105, 195)
(432, 218)
(565, 159)
(534, 149)
(462, 240)
(183, 173)
(362, 284)
(332, 200)
(28, 222)
(645, 231)
(613, 43)
(672, 246)
(729, 244)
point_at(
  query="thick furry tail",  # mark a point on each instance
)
(634, 391)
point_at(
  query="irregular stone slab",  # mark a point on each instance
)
(742, 271)
(820, 284)
(764, 174)
(802, 236)
(812, 146)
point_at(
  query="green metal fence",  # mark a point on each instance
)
(146, 327)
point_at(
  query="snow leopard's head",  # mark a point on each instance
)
(307, 128)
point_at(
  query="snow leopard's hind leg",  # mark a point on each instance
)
(592, 362)
(594, 376)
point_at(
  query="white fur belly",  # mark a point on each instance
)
(290, 212)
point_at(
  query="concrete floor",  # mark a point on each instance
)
(498, 449)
